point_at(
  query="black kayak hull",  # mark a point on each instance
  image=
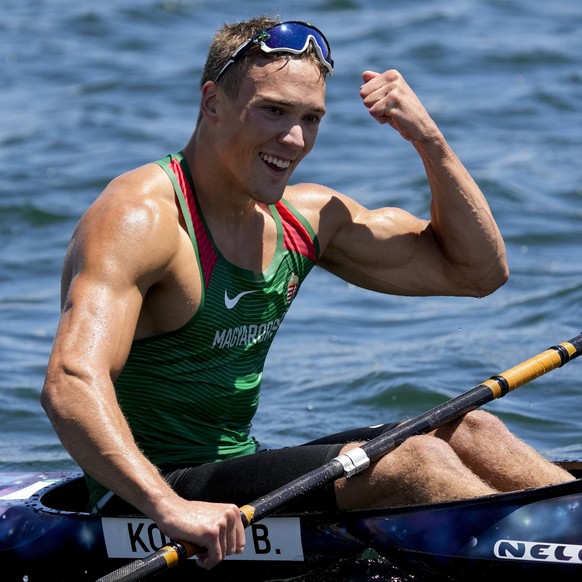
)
(535, 533)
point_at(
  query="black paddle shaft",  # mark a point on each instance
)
(373, 449)
(495, 387)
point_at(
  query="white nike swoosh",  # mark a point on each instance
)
(230, 303)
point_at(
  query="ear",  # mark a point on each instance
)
(209, 101)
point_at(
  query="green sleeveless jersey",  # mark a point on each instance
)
(189, 396)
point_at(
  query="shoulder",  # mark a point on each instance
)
(308, 192)
(146, 183)
(327, 210)
(136, 200)
(319, 202)
(133, 222)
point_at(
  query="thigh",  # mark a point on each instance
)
(245, 479)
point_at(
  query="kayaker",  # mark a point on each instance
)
(180, 273)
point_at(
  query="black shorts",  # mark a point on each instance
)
(245, 479)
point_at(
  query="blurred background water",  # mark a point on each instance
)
(90, 90)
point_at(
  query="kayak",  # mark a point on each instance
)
(46, 534)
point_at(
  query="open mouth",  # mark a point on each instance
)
(277, 163)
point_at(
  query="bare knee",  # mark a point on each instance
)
(424, 448)
(472, 428)
(483, 421)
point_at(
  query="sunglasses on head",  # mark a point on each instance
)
(292, 37)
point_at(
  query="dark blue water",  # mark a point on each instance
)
(89, 90)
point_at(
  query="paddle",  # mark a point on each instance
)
(358, 459)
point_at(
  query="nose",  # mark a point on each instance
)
(293, 136)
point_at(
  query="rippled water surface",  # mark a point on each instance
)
(90, 90)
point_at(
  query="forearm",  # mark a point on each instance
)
(117, 463)
(461, 219)
(96, 435)
(465, 253)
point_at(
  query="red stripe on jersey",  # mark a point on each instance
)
(206, 251)
(296, 237)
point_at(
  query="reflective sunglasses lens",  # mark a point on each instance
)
(292, 36)
(295, 36)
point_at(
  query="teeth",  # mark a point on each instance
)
(283, 164)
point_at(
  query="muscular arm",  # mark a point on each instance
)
(123, 246)
(460, 251)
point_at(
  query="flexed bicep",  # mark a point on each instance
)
(386, 250)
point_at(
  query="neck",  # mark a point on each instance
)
(237, 222)
(219, 198)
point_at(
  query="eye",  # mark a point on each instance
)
(274, 110)
(313, 119)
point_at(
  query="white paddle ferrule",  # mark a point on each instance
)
(353, 461)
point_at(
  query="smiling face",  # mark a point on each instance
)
(269, 127)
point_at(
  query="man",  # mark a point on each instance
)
(180, 273)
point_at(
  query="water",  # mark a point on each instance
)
(90, 90)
